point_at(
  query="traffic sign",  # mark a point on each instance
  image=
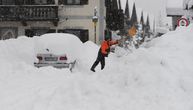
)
(183, 22)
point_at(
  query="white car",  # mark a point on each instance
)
(58, 61)
(57, 49)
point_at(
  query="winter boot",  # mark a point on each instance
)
(92, 69)
(94, 65)
(102, 67)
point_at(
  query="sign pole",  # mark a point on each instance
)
(95, 32)
(95, 20)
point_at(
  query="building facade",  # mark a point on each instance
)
(37, 17)
(176, 12)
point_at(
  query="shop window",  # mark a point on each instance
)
(7, 2)
(38, 32)
(73, 2)
(43, 2)
(26, 2)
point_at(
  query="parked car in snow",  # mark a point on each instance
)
(58, 61)
(57, 50)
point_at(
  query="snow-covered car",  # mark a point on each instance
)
(57, 50)
(58, 61)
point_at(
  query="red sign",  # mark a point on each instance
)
(183, 22)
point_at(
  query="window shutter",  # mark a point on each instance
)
(83, 2)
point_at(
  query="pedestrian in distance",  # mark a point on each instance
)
(103, 52)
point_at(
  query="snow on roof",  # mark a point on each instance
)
(175, 12)
(175, 4)
(187, 4)
(175, 7)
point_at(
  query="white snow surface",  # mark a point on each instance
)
(188, 3)
(157, 76)
(59, 44)
(175, 4)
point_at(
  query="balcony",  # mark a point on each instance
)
(24, 13)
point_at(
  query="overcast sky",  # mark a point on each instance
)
(152, 7)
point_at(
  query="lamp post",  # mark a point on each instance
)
(95, 20)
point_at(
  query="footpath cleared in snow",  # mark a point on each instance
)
(157, 76)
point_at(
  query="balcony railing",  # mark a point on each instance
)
(28, 13)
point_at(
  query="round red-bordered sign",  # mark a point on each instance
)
(183, 22)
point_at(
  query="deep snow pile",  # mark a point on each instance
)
(158, 76)
(59, 44)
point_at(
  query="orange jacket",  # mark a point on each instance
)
(132, 31)
(105, 46)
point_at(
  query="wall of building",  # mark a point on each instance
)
(177, 13)
(80, 16)
(30, 24)
(70, 17)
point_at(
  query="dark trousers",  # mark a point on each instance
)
(101, 59)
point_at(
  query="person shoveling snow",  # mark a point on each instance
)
(103, 52)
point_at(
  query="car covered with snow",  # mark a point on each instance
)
(58, 61)
(57, 49)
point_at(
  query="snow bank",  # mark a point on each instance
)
(89, 54)
(157, 76)
(59, 44)
(17, 50)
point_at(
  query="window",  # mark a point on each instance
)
(8, 32)
(38, 32)
(43, 2)
(8, 2)
(73, 2)
(81, 33)
(26, 2)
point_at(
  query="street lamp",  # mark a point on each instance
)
(95, 20)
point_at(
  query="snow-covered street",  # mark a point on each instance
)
(157, 76)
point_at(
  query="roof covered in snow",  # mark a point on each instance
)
(175, 4)
(181, 4)
(188, 4)
(175, 12)
(177, 7)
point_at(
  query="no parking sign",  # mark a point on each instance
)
(183, 22)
